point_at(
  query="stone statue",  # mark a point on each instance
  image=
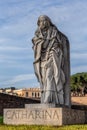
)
(51, 65)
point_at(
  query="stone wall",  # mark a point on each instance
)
(10, 101)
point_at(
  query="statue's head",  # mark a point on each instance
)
(44, 22)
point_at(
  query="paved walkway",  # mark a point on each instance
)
(79, 100)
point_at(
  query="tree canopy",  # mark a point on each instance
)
(78, 81)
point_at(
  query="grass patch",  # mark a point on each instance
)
(25, 127)
(36, 127)
(1, 120)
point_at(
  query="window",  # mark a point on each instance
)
(26, 94)
(38, 94)
(32, 94)
(35, 95)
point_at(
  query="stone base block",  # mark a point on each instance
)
(50, 105)
(44, 116)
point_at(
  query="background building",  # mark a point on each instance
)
(26, 92)
(29, 93)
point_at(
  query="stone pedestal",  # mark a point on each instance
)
(37, 114)
(50, 105)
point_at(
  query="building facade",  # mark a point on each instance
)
(28, 92)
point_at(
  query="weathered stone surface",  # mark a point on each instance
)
(40, 105)
(52, 62)
(44, 116)
(73, 116)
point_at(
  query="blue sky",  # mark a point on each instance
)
(18, 20)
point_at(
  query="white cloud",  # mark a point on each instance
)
(18, 23)
(23, 77)
(18, 79)
(79, 56)
(78, 69)
(13, 48)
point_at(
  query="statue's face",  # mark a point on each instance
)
(43, 23)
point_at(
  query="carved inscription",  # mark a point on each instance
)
(32, 114)
(44, 116)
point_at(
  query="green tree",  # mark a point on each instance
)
(78, 81)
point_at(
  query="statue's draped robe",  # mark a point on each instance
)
(50, 70)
